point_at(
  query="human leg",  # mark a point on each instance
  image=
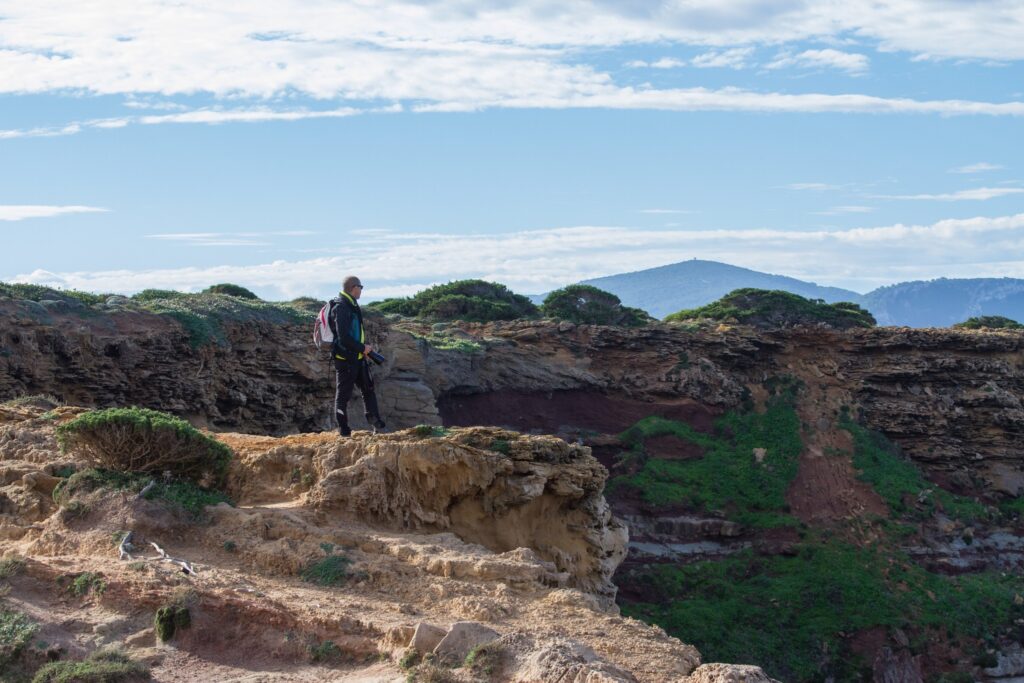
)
(371, 410)
(345, 379)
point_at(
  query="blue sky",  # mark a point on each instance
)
(538, 143)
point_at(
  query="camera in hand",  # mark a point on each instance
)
(376, 357)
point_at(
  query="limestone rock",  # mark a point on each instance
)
(426, 637)
(728, 673)
(461, 638)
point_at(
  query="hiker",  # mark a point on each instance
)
(350, 351)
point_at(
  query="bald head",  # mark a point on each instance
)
(352, 286)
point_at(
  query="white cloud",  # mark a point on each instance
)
(735, 58)
(540, 260)
(227, 239)
(663, 63)
(459, 57)
(839, 210)
(811, 186)
(980, 167)
(976, 194)
(19, 212)
(850, 62)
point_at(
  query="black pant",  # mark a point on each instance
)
(351, 374)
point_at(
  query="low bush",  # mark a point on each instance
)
(229, 289)
(184, 494)
(776, 308)
(85, 583)
(139, 440)
(332, 570)
(992, 322)
(102, 666)
(470, 300)
(170, 619)
(16, 631)
(155, 294)
(44, 293)
(585, 304)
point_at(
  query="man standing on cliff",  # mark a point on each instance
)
(350, 351)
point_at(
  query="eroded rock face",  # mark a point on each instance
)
(489, 486)
(952, 399)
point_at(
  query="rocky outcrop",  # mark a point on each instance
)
(497, 488)
(436, 544)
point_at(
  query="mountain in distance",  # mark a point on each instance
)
(689, 284)
(944, 302)
(932, 303)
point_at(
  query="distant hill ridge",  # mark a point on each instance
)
(933, 303)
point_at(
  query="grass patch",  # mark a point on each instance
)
(326, 652)
(16, 631)
(501, 446)
(727, 478)
(190, 497)
(427, 431)
(11, 566)
(812, 601)
(42, 293)
(900, 483)
(85, 583)
(332, 570)
(443, 342)
(203, 316)
(484, 660)
(102, 666)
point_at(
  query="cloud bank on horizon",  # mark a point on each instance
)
(146, 67)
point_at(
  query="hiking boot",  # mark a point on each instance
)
(344, 432)
(379, 427)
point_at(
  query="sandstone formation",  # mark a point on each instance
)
(413, 581)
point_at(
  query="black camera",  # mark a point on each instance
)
(376, 357)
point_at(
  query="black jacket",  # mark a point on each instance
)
(345, 312)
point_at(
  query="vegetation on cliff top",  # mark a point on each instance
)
(144, 441)
(992, 322)
(203, 316)
(776, 308)
(469, 300)
(588, 305)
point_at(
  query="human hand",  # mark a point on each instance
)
(367, 349)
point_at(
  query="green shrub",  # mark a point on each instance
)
(102, 666)
(16, 631)
(485, 660)
(427, 431)
(184, 494)
(229, 289)
(157, 294)
(326, 651)
(585, 304)
(332, 570)
(139, 440)
(85, 583)
(776, 308)
(470, 300)
(170, 619)
(501, 446)
(992, 322)
(203, 316)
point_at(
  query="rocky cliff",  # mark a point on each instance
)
(376, 559)
(893, 439)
